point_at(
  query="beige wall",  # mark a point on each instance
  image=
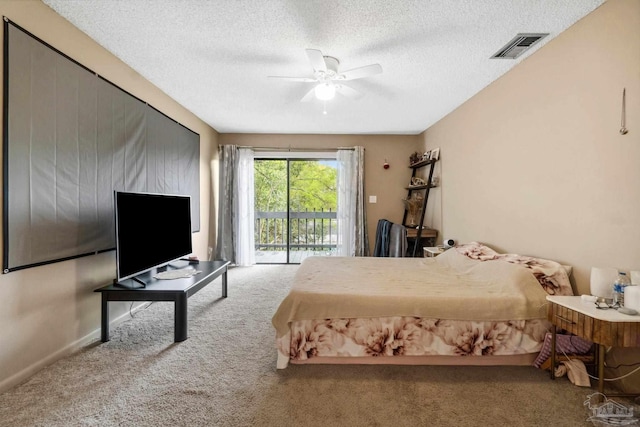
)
(387, 184)
(48, 311)
(534, 164)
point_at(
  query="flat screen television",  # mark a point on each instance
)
(152, 230)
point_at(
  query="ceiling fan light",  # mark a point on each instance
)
(325, 91)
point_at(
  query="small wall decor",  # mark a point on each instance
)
(623, 129)
(385, 165)
(415, 158)
(415, 181)
(435, 154)
(414, 207)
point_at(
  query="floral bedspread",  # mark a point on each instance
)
(416, 336)
(408, 336)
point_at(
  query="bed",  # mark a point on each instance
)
(470, 305)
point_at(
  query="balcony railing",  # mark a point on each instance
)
(309, 231)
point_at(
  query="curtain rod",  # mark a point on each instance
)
(294, 148)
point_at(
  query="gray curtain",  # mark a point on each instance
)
(226, 212)
(353, 239)
(362, 236)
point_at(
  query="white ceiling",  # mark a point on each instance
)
(214, 56)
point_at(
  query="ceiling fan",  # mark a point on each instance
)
(329, 79)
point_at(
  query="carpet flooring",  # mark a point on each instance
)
(225, 375)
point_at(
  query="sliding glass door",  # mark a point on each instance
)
(295, 209)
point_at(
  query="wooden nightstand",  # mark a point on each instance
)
(605, 328)
(427, 238)
(432, 251)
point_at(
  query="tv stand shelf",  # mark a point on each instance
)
(176, 290)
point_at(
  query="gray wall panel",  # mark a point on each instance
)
(71, 139)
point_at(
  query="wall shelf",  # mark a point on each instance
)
(416, 233)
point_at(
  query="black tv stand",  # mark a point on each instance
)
(131, 283)
(143, 283)
(176, 290)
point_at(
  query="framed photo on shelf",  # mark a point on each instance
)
(435, 154)
(426, 155)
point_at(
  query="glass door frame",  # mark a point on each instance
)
(313, 155)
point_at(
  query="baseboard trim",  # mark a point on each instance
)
(73, 347)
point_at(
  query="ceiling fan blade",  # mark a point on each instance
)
(358, 73)
(348, 92)
(293, 79)
(309, 96)
(317, 60)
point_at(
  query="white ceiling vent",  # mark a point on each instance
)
(518, 45)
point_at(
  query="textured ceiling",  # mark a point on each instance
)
(213, 57)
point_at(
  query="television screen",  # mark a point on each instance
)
(151, 230)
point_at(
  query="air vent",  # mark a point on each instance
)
(518, 45)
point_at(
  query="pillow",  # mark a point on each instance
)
(476, 250)
(552, 276)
